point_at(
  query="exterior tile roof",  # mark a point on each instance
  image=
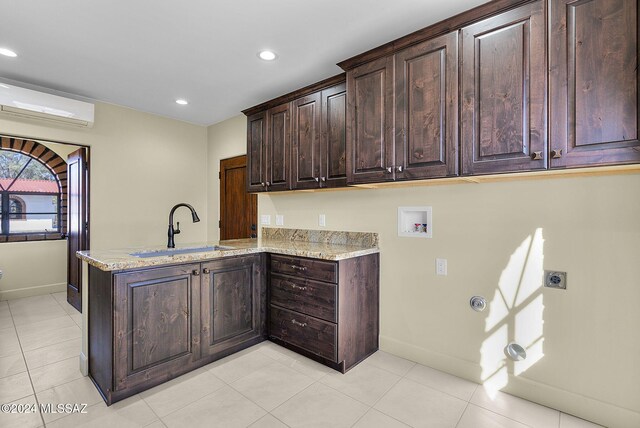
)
(33, 186)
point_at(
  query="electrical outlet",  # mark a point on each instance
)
(322, 220)
(555, 279)
(265, 219)
(441, 267)
(279, 220)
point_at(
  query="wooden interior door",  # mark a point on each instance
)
(78, 224)
(238, 209)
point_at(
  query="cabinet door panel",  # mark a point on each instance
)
(231, 299)
(306, 142)
(333, 144)
(153, 321)
(369, 125)
(256, 162)
(426, 85)
(594, 82)
(503, 85)
(278, 146)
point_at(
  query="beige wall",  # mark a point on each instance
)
(141, 165)
(223, 142)
(497, 237)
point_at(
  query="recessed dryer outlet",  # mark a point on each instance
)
(415, 222)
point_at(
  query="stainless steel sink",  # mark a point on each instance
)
(173, 252)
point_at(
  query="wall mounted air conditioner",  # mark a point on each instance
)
(36, 105)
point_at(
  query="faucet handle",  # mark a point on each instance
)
(177, 229)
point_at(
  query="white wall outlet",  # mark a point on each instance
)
(441, 267)
(322, 220)
(265, 219)
(279, 220)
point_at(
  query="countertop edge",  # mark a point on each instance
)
(211, 255)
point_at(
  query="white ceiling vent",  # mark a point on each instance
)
(35, 105)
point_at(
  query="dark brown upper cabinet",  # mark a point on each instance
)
(319, 139)
(426, 110)
(370, 152)
(593, 62)
(268, 146)
(256, 151)
(503, 113)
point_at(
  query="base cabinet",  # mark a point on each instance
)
(325, 310)
(151, 325)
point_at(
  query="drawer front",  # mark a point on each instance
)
(313, 298)
(312, 334)
(320, 270)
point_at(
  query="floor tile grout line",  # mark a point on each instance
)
(33, 389)
(53, 344)
(501, 415)
(462, 414)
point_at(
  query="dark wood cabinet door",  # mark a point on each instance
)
(256, 152)
(503, 92)
(333, 143)
(278, 147)
(370, 156)
(155, 313)
(593, 62)
(305, 141)
(426, 117)
(232, 302)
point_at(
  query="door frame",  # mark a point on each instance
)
(235, 162)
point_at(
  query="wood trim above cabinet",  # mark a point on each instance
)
(315, 87)
(443, 27)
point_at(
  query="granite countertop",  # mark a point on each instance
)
(326, 245)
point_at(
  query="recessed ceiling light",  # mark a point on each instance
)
(182, 102)
(8, 52)
(267, 55)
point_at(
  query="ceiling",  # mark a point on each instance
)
(145, 54)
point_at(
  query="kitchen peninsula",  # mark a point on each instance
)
(155, 314)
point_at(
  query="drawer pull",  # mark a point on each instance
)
(298, 287)
(300, 324)
(300, 268)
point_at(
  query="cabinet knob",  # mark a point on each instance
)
(556, 154)
(317, 179)
(195, 272)
(268, 184)
(399, 168)
(262, 184)
(536, 156)
(205, 271)
(323, 179)
(389, 169)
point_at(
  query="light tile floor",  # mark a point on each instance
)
(263, 386)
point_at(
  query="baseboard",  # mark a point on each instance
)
(84, 364)
(32, 291)
(591, 409)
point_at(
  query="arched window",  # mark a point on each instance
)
(32, 201)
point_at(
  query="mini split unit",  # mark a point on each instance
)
(35, 105)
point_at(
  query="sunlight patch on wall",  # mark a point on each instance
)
(515, 315)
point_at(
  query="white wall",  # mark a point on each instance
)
(141, 165)
(497, 238)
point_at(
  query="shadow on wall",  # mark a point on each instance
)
(515, 315)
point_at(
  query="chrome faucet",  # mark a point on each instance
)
(172, 231)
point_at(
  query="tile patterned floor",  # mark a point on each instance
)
(264, 386)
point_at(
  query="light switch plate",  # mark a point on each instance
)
(441, 267)
(322, 220)
(279, 220)
(265, 219)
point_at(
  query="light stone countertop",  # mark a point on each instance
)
(121, 259)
